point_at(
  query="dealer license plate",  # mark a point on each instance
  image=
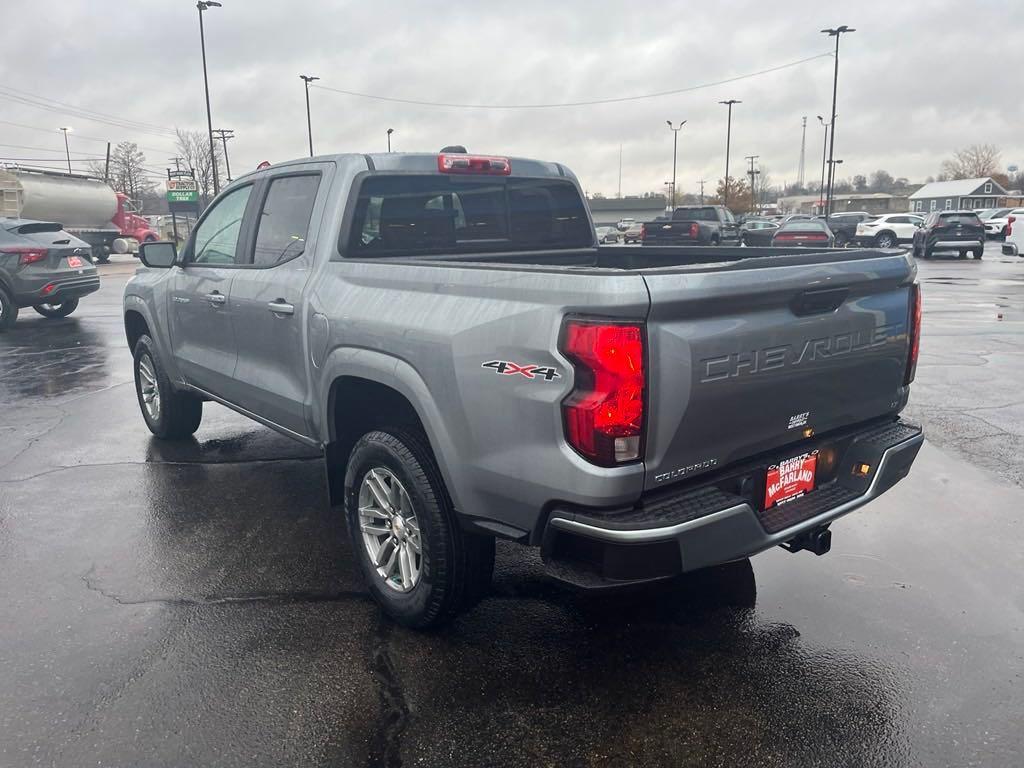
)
(75, 261)
(789, 479)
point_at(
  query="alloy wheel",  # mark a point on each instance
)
(149, 387)
(391, 533)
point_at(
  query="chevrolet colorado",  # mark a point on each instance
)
(447, 330)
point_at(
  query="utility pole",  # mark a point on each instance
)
(620, 172)
(702, 191)
(675, 146)
(836, 33)
(752, 174)
(67, 149)
(177, 162)
(728, 140)
(205, 5)
(224, 134)
(307, 79)
(803, 150)
(106, 166)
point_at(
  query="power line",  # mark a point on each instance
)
(592, 102)
(44, 102)
(40, 149)
(78, 136)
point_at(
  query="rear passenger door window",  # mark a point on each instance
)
(283, 223)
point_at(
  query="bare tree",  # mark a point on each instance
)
(194, 148)
(881, 181)
(127, 173)
(975, 162)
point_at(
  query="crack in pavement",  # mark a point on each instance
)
(386, 745)
(263, 597)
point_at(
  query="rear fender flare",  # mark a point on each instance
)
(403, 378)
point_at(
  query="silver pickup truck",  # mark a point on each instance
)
(445, 328)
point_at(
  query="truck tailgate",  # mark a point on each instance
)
(743, 360)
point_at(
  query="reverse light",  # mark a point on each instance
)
(474, 164)
(604, 414)
(26, 254)
(914, 332)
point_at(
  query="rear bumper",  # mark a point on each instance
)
(961, 244)
(72, 288)
(1010, 249)
(703, 526)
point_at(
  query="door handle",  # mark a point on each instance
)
(216, 298)
(281, 307)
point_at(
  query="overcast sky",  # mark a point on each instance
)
(917, 80)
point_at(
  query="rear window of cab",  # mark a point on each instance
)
(410, 215)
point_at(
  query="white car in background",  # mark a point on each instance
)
(1014, 243)
(888, 230)
(996, 219)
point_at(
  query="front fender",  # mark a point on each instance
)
(156, 322)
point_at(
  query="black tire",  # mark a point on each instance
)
(179, 413)
(63, 309)
(841, 239)
(977, 253)
(926, 252)
(8, 310)
(455, 566)
(886, 240)
(102, 258)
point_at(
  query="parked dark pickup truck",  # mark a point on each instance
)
(694, 225)
(472, 364)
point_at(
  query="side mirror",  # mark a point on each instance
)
(159, 255)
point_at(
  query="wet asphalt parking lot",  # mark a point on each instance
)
(196, 604)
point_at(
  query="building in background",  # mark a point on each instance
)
(960, 194)
(608, 211)
(870, 202)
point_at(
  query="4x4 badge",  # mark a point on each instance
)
(504, 367)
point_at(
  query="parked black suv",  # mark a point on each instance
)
(43, 267)
(844, 225)
(960, 231)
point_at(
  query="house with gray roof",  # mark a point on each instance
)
(960, 194)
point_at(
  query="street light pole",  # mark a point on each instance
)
(309, 120)
(824, 153)
(390, 131)
(675, 146)
(836, 33)
(728, 141)
(224, 134)
(67, 149)
(205, 5)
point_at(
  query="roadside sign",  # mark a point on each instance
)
(182, 190)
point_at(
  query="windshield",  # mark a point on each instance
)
(410, 215)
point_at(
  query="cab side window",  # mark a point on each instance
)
(217, 237)
(284, 221)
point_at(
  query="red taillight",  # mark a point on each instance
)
(27, 254)
(643, 231)
(494, 166)
(48, 289)
(694, 229)
(914, 332)
(1009, 224)
(604, 415)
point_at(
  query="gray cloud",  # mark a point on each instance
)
(916, 81)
